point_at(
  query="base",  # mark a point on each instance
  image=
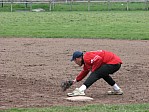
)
(79, 98)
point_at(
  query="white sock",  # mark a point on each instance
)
(116, 87)
(82, 88)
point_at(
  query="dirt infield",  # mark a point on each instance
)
(31, 71)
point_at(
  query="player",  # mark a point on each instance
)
(101, 63)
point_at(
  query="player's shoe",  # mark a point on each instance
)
(115, 92)
(76, 92)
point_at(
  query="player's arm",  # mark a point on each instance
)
(82, 74)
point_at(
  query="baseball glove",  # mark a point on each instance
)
(66, 84)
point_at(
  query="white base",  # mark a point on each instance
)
(79, 98)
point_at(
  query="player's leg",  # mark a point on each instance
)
(116, 89)
(94, 76)
(89, 81)
(103, 72)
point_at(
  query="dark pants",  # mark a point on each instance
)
(102, 72)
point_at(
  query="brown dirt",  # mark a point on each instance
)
(31, 71)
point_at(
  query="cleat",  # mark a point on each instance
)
(76, 92)
(115, 92)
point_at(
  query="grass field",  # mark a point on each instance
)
(88, 108)
(106, 24)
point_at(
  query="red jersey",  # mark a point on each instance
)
(95, 59)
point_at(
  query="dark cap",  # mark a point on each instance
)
(76, 54)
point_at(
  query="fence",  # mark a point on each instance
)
(52, 3)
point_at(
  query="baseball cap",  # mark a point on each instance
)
(76, 54)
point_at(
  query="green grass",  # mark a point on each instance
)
(120, 24)
(87, 108)
(105, 24)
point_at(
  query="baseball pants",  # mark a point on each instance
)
(103, 72)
